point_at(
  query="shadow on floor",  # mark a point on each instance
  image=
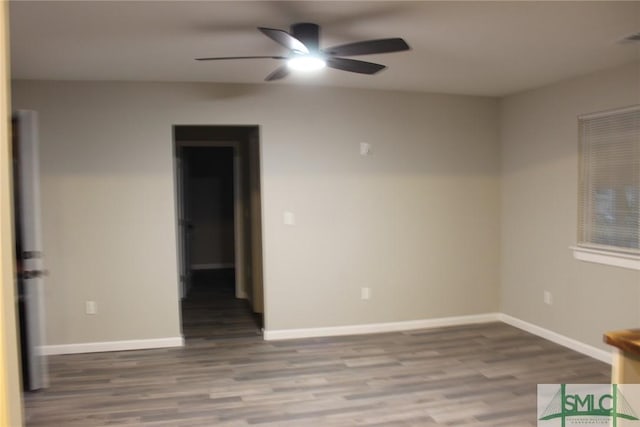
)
(211, 311)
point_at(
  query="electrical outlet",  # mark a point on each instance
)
(548, 298)
(365, 293)
(91, 307)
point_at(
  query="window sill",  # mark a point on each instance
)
(605, 257)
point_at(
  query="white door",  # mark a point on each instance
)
(29, 254)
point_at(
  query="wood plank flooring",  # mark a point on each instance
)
(212, 311)
(479, 375)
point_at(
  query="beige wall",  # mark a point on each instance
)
(417, 221)
(10, 385)
(539, 211)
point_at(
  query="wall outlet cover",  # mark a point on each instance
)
(289, 218)
(91, 307)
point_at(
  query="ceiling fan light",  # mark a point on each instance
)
(306, 63)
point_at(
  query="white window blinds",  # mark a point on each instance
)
(609, 198)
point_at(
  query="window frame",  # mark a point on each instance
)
(617, 256)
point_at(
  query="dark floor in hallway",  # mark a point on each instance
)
(211, 310)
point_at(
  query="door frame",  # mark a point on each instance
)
(10, 391)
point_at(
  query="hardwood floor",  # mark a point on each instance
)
(478, 375)
(212, 311)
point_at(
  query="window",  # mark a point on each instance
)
(609, 193)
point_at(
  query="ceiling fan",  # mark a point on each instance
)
(305, 54)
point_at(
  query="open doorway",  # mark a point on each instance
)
(219, 228)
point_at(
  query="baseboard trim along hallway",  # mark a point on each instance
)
(373, 328)
(97, 347)
(575, 345)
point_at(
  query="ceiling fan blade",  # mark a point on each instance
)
(285, 39)
(279, 73)
(354, 65)
(220, 58)
(369, 47)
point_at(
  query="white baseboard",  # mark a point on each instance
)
(97, 347)
(580, 347)
(373, 328)
(212, 266)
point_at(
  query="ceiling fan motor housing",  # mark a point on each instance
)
(309, 34)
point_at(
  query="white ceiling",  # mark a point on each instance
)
(476, 47)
